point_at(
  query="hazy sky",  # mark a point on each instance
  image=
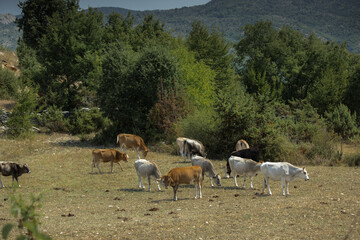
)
(10, 6)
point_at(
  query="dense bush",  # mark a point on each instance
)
(85, 121)
(8, 84)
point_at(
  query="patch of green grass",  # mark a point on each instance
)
(80, 205)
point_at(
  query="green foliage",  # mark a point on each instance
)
(54, 120)
(342, 122)
(19, 121)
(8, 84)
(27, 217)
(86, 121)
(197, 79)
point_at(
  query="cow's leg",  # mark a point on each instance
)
(234, 176)
(243, 186)
(251, 184)
(92, 166)
(283, 183)
(149, 182)
(200, 186)
(158, 185)
(120, 166)
(97, 164)
(228, 169)
(196, 189)
(264, 185)
(287, 188)
(16, 178)
(111, 168)
(141, 185)
(2, 185)
(175, 188)
(211, 182)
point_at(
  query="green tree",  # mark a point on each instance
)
(19, 121)
(70, 55)
(342, 122)
(118, 28)
(36, 15)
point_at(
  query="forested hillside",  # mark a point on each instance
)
(332, 20)
(292, 95)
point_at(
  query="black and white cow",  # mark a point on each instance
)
(193, 147)
(12, 169)
(249, 153)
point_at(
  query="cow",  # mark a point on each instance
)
(147, 169)
(193, 147)
(281, 171)
(107, 155)
(132, 141)
(13, 169)
(244, 166)
(241, 144)
(250, 153)
(180, 144)
(183, 175)
(207, 168)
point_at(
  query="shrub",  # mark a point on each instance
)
(8, 84)
(352, 160)
(86, 121)
(19, 125)
(27, 217)
(53, 119)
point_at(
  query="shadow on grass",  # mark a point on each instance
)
(171, 200)
(130, 190)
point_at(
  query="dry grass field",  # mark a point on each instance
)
(80, 205)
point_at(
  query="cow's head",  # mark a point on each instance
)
(304, 174)
(121, 156)
(217, 179)
(24, 169)
(166, 181)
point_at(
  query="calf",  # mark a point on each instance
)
(107, 155)
(244, 166)
(193, 147)
(132, 141)
(13, 169)
(183, 175)
(147, 169)
(250, 153)
(207, 168)
(281, 171)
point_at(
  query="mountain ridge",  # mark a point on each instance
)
(329, 19)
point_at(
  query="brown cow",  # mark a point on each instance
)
(13, 169)
(107, 155)
(183, 175)
(132, 141)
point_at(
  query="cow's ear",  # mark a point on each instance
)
(171, 182)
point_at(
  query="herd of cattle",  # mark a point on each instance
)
(244, 161)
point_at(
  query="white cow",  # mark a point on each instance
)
(207, 168)
(180, 144)
(193, 147)
(244, 166)
(147, 169)
(283, 171)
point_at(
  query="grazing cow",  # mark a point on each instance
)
(107, 155)
(180, 144)
(283, 171)
(193, 147)
(13, 169)
(250, 153)
(183, 175)
(244, 166)
(241, 144)
(207, 168)
(147, 169)
(132, 141)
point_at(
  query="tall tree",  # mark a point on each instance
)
(36, 15)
